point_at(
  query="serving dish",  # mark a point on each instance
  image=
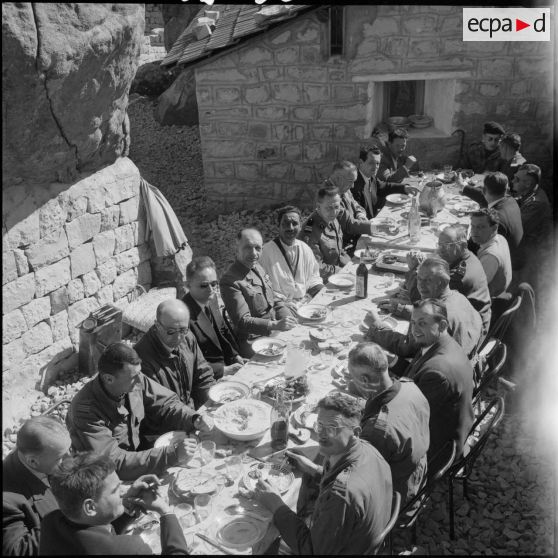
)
(242, 529)
(398, 122)
(393, 261)
(341, 280)
(398, 199)
(268, 347)
(305, 416)
(420, 120)
(388, 322)
(312, 312)
(279, 477)
(244, 419)
(228, 390)
(295, 389)
(187, 482)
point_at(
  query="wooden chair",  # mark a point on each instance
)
(413, 508)
(478, 436)
(395, 508)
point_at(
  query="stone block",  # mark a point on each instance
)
(204, 96)
(104, 295)
(37, 338)
(51, 219)
(310, 34)
(382, 26)
(453, 46)
(79, 311)
(110, 218)
(287, 55)
(19, 292)
(82, 259)
(310, 55)
(292, 152)
(316, 93)
(314, 151)
(231, 129)
(287, 132)
(271, 73)
(227, 95)
(419, 25)
(258, 94)
(281, 39)
(257, 130)
(337, 74)
(304, 113)
(230, 75)
(13, 326)
(302, 173)
(267, 151)
(451, 24)
(271, 113)
(106, 272)
(121, 181)
(9, 269)
(144, 273)
(347, 113)
(424, 47)
(367, 47)
(75, 290)
(59, 300)
(248, 171)
(322, 132)
(490, 89)
(126, 260)
(36, 311)
(495, 68)
(306, 74)
(124, 283)
(79, 206)
(25, 232)
(48, 250)
(224, 169)
(12, 354)
(378, 64)
(254, 56)
(91, 283)
(82, 229)
(144, 252)
(129, 210)
(59, 325)
(124, 238)
(277, 170)
(520, 88)
(342, 93)
(533, 67)
(397, 46)
(229, 148)
(103, 245)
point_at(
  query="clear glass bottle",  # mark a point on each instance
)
(280, 413)
(413, 222)
(361, 288)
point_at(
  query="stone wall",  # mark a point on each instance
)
(67, 250)
(153, 17)
(277, 111)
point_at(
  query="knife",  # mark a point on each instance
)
(215, 544)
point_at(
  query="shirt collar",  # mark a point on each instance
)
(286, 246)
(424, 349)
(493, 203)
(41, 476)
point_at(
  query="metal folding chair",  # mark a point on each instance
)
(478, 436)
(395, 508)
(490, 367)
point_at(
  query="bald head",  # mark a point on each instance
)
(452, 243)
(249, 247)
(173, 319)
(172, 309)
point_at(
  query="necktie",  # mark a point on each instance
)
(208, 313)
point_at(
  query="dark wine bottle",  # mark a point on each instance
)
(361, 289)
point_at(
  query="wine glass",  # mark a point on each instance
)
(207, 452)
(203, 504)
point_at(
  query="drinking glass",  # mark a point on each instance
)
(220, 482)
(207, 452)
(447, 171)
(203, 504)
(185, 515)
(234, 466)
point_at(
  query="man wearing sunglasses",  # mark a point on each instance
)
(215, 339)
(171, 356)
(355, 488)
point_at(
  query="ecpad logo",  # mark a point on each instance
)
(506, 24)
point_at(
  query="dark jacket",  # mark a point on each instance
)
(477, 158)
(395, 422)
(99, 423)
(379, 189)
(353, 506)
(216, 341)
(445, 377)
(393, 168)
(64, 537)
(26, 500)
(184, 371)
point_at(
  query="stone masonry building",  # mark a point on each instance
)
(281, 98)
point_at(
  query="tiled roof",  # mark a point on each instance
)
(236, 22)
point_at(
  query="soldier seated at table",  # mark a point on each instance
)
(467, 275)
(355, 488)
(395, 165)
(464, 323)
(215, 339)
(368, 189)
(394, 420)
(26, 495)
(118, 408)
(247, 292)
(290, 263)
(88, 492)
(485, 155)
(171, 356)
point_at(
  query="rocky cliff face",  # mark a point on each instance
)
(67, 69)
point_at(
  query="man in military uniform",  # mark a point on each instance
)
(485, 155)
(323, 233)
(247, 292)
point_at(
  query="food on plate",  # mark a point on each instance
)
(280, 479)
(292, 389)
(391, 258)
(238, 418)
(272, 350)
(334, 346)
(193, 482)
(229, 395)
(320, 334)
(318, 313)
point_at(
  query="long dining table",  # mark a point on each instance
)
(325, 370)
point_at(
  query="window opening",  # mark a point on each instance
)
(403, 98)
(336, 27)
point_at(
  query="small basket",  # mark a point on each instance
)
(142, 308)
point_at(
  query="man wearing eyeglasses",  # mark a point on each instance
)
(355, 488)
(215, 339)
(171, 356)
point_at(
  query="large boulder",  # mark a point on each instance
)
(66, 72)
(178, 104)
(176, 18)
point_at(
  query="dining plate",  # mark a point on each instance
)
(342, 280)
(269, 347)
(465, 207)
(361, 253)
(228, 390)
(241, 530)
(245, 419)
(312, 312)
(393, 261)
(280, 478)
(169, 438)
(187, 482)
(388, 321)
(398, 199)
(305, 416)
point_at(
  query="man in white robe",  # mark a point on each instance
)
(290, 263)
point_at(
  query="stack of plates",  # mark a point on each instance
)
(420, 121)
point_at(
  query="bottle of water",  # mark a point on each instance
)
(413, 222)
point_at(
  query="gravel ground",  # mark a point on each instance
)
(511, 508)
